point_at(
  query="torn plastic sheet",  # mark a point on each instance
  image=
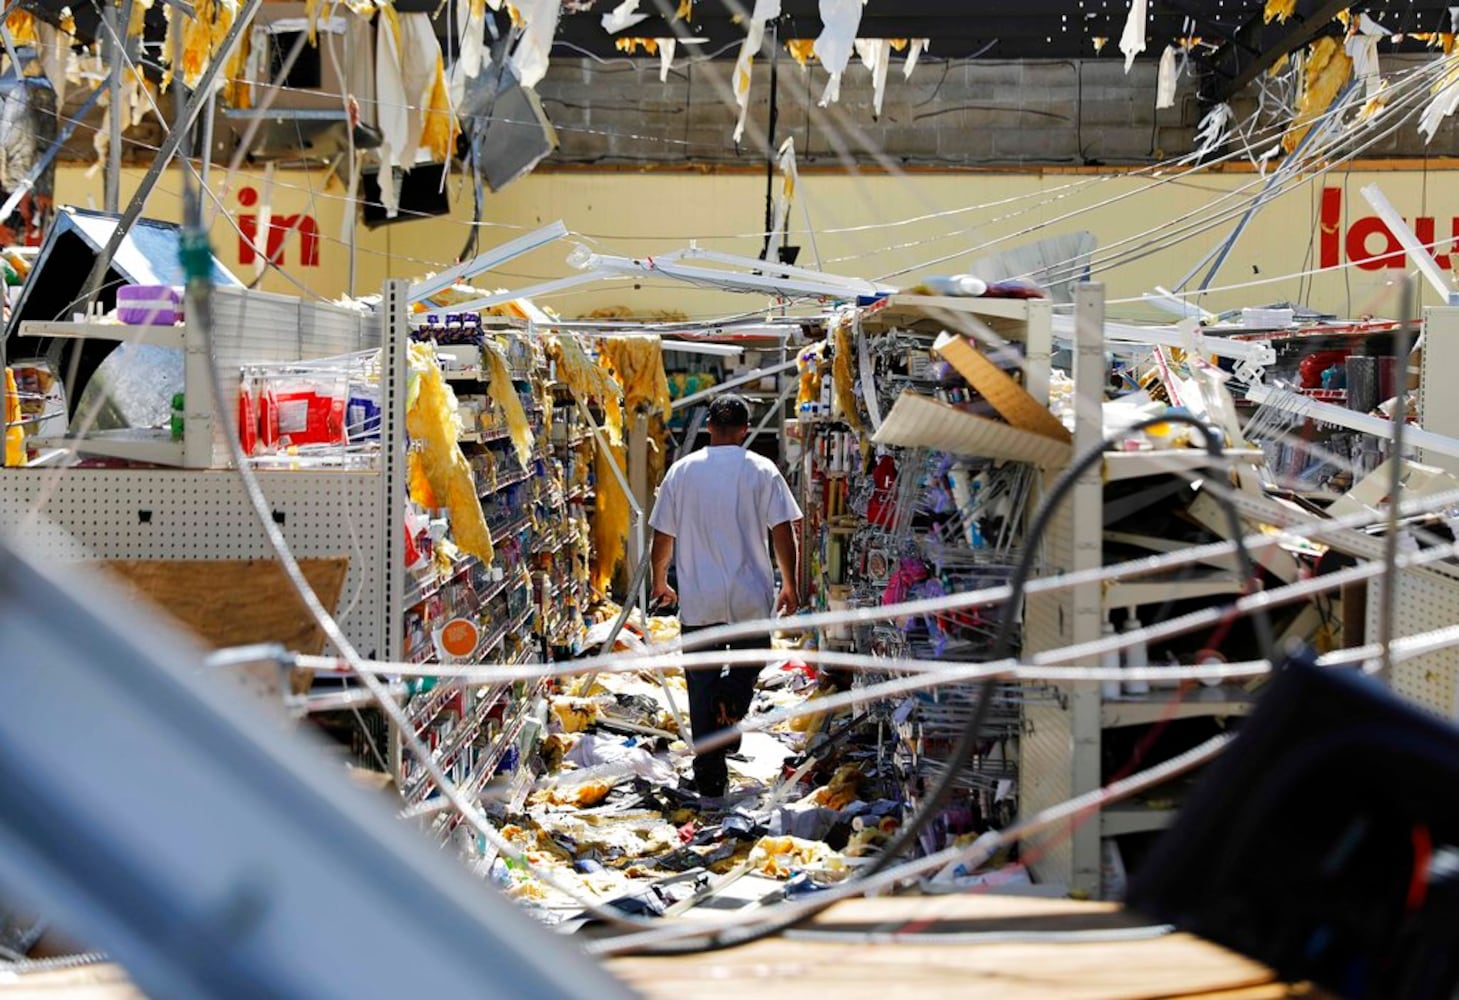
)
(623, 17)
(876, 55)
(1362, 49)
(1212, 130)
(765, 10)
(534, 50)
(834, 45)
(1445, 100)
(1165, 80)
(594, 749)
(471, 29)
(1132, 42)
(915, 48)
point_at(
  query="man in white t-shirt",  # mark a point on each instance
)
(714, 510)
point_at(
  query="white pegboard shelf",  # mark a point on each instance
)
(1119, 465)
(159, 514)
(1167, 706)
(131, 444)
(1123, 817)
(154, 334)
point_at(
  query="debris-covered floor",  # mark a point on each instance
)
(613, 811)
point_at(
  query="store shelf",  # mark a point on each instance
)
(432, 704)
(473, 785)
(132, 444)
(457, 741)
(914, 308)
(1169, 705)
(442, 579)
(462, 374)
(1119, 465)
(503, 482)
(511, 527)
(1124, 817)
(154, 334)
(515, 624)
(1132, 594)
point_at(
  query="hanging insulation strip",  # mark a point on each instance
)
(431, 420)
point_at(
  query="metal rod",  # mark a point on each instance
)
(749, 376)
(776, 409)
(1388, 608)
(114, 45)
(1289, 165)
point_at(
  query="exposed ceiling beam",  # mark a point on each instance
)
(1257, 46)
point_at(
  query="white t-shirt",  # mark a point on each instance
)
(718, 503)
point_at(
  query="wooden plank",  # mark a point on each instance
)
(1010, 399)
(236, 602)
(1172, 965)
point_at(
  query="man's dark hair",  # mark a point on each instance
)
(728, 411)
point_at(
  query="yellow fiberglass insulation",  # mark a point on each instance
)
(504, 394)
(440, 131)
(844, 382)
(638, 365)
(1278, 10)
(432, 422)
(1327, 70)
(610, 520)
(588, 382)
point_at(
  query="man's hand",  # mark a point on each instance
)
(663, 596)
(787, 603)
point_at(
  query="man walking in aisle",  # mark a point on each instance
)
(713, 512)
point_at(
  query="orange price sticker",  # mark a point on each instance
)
(459, 637)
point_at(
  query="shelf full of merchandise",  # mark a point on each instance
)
(871, 536)
(528, 602)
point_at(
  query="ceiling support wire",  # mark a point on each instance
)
(1415, 79)
(673, 654)
(1103, 260)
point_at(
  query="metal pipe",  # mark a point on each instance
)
(749, 376)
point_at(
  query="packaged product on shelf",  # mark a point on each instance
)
(248, 416)
(362, 412)
(311, 410)
(150, 305)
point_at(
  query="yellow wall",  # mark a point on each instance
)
(859, 228)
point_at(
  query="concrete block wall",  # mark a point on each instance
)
(950, 113)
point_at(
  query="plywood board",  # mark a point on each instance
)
(1010, 399)
(236, 602)
(1172, 965)
(919, 422)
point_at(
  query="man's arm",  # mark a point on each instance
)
(782, 537)
(663, 551)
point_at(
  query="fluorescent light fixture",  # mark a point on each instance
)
(422, 291)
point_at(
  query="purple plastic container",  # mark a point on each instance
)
(149, 304)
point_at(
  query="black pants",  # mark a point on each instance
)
(718, 699)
